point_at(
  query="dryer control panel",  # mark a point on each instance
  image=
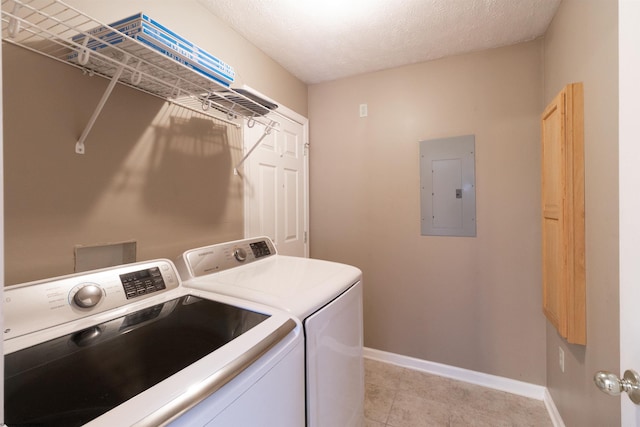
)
(223, 256)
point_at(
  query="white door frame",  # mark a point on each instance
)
(629, 196)
(1, 243)
(285, 113)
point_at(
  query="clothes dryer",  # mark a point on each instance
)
(325, 296)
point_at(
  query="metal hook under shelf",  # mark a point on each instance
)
(136, 76)
(267, 130)
(84, 53)
(14, 24)
(206, 104)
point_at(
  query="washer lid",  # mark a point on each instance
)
(78, 377)
(298, 285)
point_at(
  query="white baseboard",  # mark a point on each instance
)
(552, 410)
(508, 385)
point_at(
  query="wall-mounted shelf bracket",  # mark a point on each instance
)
(100, 106)
(267, 130)
(14, 24)
(59, 31)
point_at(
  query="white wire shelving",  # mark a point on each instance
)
(51, 28)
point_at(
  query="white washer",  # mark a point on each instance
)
(325, 296)
(129, 346)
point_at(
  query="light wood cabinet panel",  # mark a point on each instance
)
(563, 235)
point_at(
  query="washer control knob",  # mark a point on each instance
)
(240, 254)
(88, 296)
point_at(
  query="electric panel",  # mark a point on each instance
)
(447, 186)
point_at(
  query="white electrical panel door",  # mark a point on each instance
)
(447, 186)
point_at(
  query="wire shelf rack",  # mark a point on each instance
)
(61, 32)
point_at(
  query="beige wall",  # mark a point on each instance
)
(582, 45)
(153, 173)
(468, 302)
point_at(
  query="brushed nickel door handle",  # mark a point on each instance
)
(609, 383)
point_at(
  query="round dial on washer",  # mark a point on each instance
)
(240, 254)
(87, 296)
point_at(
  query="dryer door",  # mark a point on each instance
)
(335, 370)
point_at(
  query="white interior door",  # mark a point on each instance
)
(629, 154)
(276, 183)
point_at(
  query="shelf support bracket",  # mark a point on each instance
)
(267, 130)
(14, 24)
(100, 106)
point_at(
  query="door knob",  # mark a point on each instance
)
(609, 383)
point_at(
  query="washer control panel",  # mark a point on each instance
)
(260, 249)
(142, 282)
(42, 304)
(223, 256)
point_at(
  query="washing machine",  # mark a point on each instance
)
(325, 296)
(130, 346)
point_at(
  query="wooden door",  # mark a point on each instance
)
(553, 233)
(563, 270)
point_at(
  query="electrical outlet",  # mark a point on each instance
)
(561, 351)
(364, 110)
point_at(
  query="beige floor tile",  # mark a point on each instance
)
(433, 387)
(530, 414)
(400, 397)
(473, 418)
(377, 402)
(409, 410)
(519, 409)
(370, 423)
(382, 374)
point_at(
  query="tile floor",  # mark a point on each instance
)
(400, 397)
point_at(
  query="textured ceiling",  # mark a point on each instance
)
(322, 40)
